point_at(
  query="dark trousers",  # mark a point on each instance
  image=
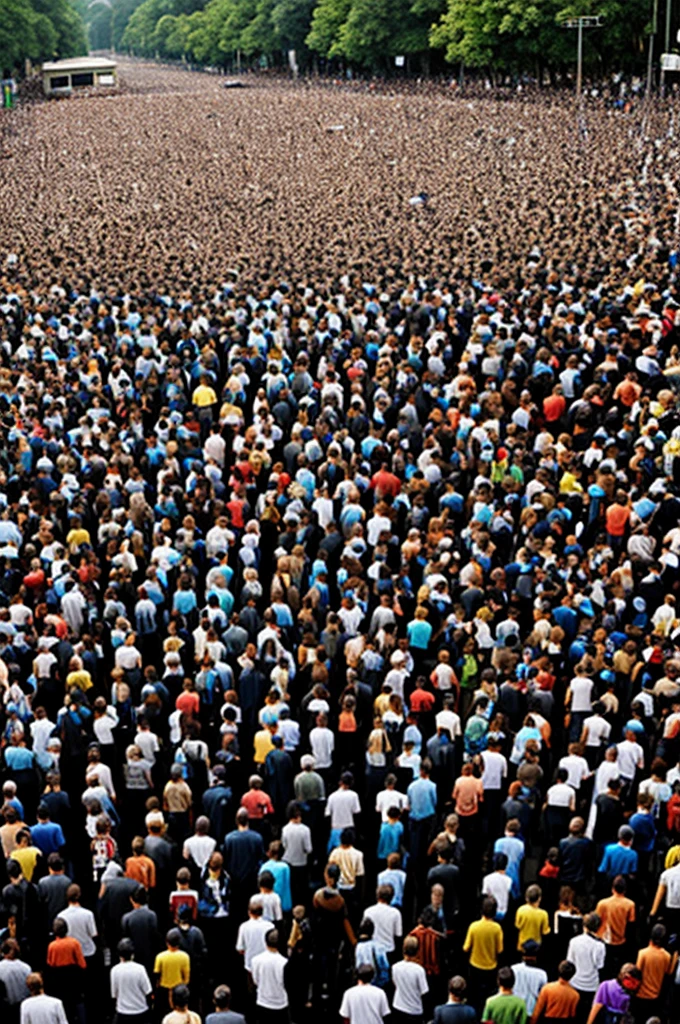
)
(482, 985)
(132, 1018)
(266, 1016)
(585, 1001)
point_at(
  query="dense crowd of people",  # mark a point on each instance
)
(339, 638)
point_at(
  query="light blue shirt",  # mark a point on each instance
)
(422, 798)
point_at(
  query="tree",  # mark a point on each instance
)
(328, 18)
(39, 30)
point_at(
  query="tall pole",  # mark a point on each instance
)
(650, 60)
(666, 43)
(579, 60)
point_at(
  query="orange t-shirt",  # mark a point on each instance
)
(467, 793)
(615, 912)
(655, 964)
(142, 869)
(553, 407)
(617, 519)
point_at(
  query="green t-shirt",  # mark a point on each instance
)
(502, 1009)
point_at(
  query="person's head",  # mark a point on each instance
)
(457, 988)
(384, 894)
(533, 895)
(626, 835)
(592, 923)
(180, 997)
(630, 978)
(365, 974)
(242, 818)
(530, 950)
(489, 908)
(657, 936)
(619, 885)
(173, 938)
(506, 979)
(266, 881)
(347, 837)
(10, 949)
(59, 928)
(410, 947)
(566, 970)
(272, 939)
(126, 949)
(34, 983)
(222, 997)
(255, 908)
(73, 893)
(183, 878)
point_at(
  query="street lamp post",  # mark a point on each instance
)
(584, 21)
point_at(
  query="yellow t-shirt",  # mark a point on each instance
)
(263, 744)
(484, 942)
(27, 858)
(174, 967)
(532, 923)
(76, 538)
(203, 395)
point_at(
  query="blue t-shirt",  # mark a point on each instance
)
(419, 633)
(48, 837)
(281, 872)
(618, 860)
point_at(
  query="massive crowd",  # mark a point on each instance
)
(339, 559)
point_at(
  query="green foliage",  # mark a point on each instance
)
(515, 34)
(39, 30)
(503, 35)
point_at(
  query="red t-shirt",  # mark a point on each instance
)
(421, 701)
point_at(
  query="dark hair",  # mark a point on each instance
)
(619, 884)
(500, 861)
(140, 896)
(489, 907)
(367, 928)
(365, 974)
(266, 880)
(180, 996)
(272, 938)
(222, 997)
(566, 970)
(457, 986)
(60, 928)
(55, 862)
(173, 938)
(506, 977)
(347, 837)
(592, 922)
(658, 934)
(126, 949)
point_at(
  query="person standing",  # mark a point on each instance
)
(529, 978)
(456, 1010)
(505, 1007)
(484, 943)
(130, 987)
(656, 964)
(587, 953)
(422, 800)
(222, 1003)
(13, 975)
(364, 1003)
(268, 972)
(39, 1008)
(558, 1000)
(410, 985)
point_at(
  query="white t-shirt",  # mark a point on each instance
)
(671, 880)
(410, 985)
(81, 926)
(449, 720)
(364, 1004)
(495, 770)
(130, 986)
(267, 970)
(528, 983)
(46, 1010)
(250, 939)
(387, 798)
(598, 728)
(147, 742)
(499, 887)
(341, 806)
(581, 690)
(577, 767)
(444, 676)
(629, 755)
(322, 742)
(387, 922)
(200, 849)
(560, 795)
(587, 954)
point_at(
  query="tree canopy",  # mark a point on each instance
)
(39, 30)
